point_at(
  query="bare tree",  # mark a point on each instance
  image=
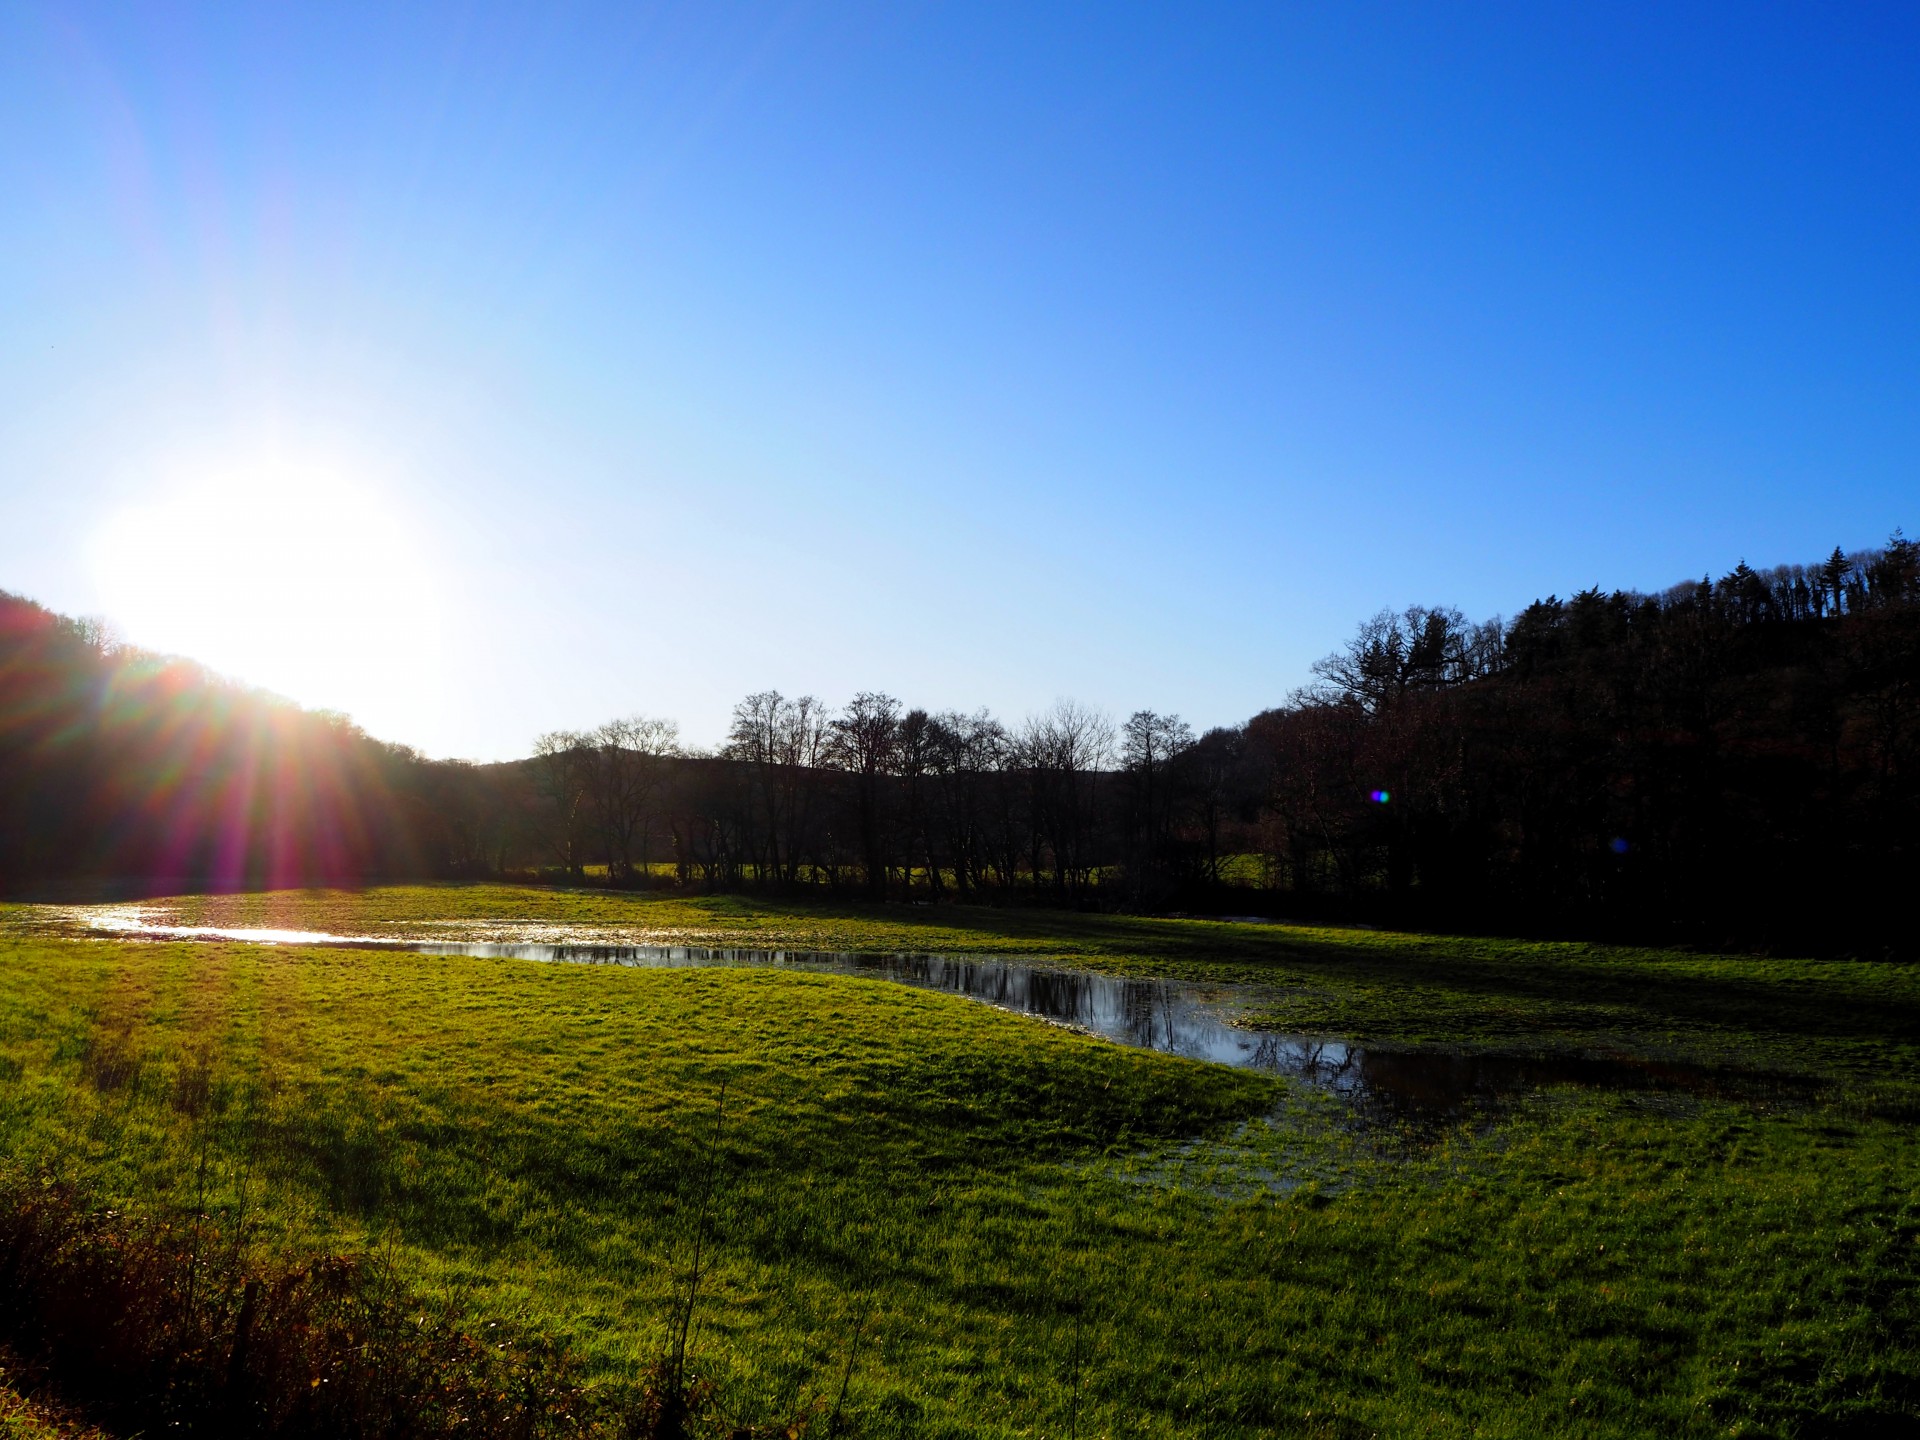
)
(562, 774)
(1152, 747)
(1062, 754)
(918, 744)
(966, 755)
(865, 742)
(626, 767)
(781, 744)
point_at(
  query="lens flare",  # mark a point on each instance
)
(300, 579)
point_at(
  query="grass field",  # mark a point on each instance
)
(1029, 1232)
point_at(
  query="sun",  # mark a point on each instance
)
(299, 578)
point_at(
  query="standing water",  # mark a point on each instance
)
(1174, 1017)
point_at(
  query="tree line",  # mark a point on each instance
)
(1729, 760)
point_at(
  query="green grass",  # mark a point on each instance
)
(988, 1198)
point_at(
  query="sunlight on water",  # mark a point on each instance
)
(134, 923)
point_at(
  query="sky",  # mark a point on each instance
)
(487, 370)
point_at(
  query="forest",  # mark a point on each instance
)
(1727, 762)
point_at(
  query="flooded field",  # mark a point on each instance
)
(1560, 1162)
(1174, 1017)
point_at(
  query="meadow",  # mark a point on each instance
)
(934, 1218)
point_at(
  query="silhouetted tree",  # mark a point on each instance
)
(624, 765)
(865, 743)
(1153, 748)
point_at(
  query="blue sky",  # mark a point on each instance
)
(484, 370)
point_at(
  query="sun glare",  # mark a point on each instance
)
(299, 580)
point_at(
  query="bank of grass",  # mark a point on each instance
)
(1029, 1232)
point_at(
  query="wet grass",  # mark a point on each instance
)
(1032, 1233)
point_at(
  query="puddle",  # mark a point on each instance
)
(1169, 1016)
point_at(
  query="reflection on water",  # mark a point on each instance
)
(1170, 1016)
(132, 922)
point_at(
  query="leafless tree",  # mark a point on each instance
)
(627, 762)
(562, 774)
(966, 757)
(781, 745)
(1152, 747)
(1062, 753)
(865, 743)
